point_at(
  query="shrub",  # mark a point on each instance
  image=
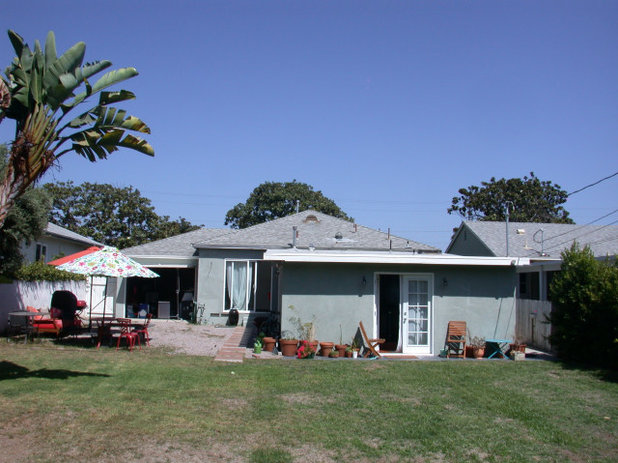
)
(40, 271)
(585, 309)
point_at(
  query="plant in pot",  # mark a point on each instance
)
(353, 349)
(305, 351)
(476, 347)
(341, 347)
(334, 354)
(326, 348)
(268, 343)
(288, 344)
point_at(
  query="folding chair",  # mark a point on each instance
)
(456, 339)
(370, 343)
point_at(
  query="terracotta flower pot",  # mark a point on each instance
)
(315, 345)
(269, 344)
(348, 354)
(288, 347)
(326, 348)
(341, 349)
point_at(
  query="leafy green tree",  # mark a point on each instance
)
(272, 200)
(40, 90)
(584, 318)
(529, 200)
(24, 223)
(119, 217)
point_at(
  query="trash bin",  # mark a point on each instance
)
(232, 318)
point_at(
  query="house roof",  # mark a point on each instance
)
(177, 246)
(61, 232)
(313, 230)
(527, 239)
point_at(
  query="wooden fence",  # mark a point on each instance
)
(532, 324)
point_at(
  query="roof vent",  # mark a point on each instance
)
(521, 231)
(338, 236)
(311, 218)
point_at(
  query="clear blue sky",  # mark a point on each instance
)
(387, 107)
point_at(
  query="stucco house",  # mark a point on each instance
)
(316, 268)
(541, 243)
(55, 241)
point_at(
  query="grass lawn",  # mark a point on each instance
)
(70, 404)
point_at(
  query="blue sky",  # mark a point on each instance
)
(387, 107)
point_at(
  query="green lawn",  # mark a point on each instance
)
(69, 404)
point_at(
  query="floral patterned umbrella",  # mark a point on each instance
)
(107, 262)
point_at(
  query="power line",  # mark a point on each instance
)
(592, 184)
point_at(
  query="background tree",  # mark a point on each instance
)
(529, 199)
(272, 200)
(24, 223)
(584, 318)
(119, 217)
(39, 92)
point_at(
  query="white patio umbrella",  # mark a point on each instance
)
(106, 262)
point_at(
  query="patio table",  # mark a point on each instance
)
(27, 324)
(105, 325)
(497, 347)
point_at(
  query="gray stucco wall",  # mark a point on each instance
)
(211, 280)
(468, 244)
(334, 297)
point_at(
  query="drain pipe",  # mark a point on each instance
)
(294, 233)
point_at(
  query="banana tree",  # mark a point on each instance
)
(40, 93)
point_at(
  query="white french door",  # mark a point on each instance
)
(416, 301)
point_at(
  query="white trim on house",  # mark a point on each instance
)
(166, 261)
(381, 257)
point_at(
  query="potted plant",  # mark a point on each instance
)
(518, 346)
(326, 348)
(353, 349)
(341, 347)
(268, 343)
(333, 354)
(288, 345)
(476, 348)
(305, 351)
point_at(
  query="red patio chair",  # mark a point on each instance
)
(143, 330)
(126, 333)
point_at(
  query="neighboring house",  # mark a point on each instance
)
(311, 267)
(55, 241)
(542, 243)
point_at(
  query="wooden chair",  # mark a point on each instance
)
(370, 343)
(456, 339)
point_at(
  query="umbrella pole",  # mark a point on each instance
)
(104, 298)
(90, 314)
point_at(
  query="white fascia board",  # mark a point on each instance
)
(368, 257)
(166, 261)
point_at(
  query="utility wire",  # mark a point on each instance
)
(592, 184)
(580, 227)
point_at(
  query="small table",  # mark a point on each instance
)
(497, 347)
(28, 323)
(105, 325)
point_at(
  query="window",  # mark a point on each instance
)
(41, 251)
(240, 285)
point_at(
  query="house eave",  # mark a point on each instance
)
(166, 261)
(368, 257)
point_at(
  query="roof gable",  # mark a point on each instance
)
(312, 229)
(177, 246)
(528, 239)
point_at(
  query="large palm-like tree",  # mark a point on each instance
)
(40, 92)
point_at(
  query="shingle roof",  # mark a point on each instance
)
(527, 240)
(179, 245)
(314, 229)
(61, 232)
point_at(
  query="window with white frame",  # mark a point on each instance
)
(240, 285)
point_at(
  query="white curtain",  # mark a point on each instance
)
(237, 284)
